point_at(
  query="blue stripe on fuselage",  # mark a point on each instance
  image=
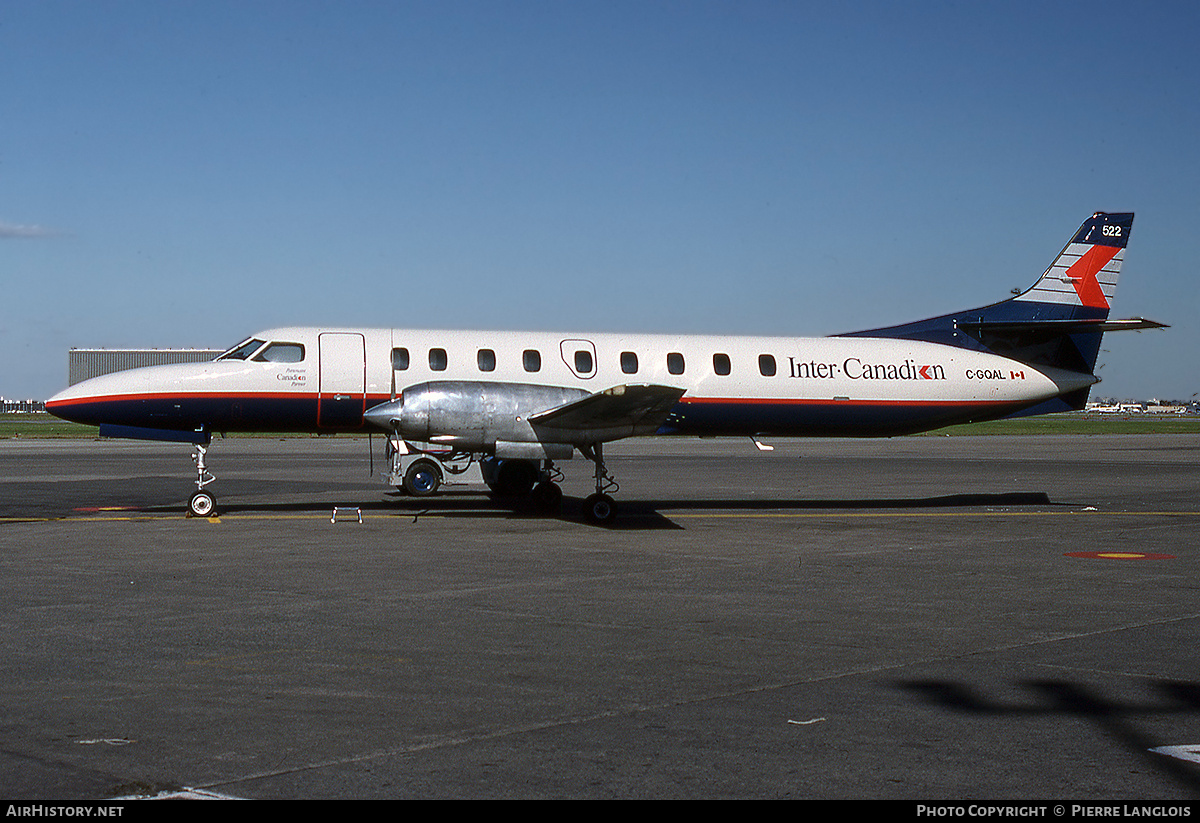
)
(825, 418)
(248, 412)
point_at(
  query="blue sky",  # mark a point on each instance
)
(181, 174)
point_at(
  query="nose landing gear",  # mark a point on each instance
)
(202, 503)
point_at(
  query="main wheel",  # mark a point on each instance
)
(600, 509)
(515, 478)
(202, 504)
(547, 497)
(422, 478)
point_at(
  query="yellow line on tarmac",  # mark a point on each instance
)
(933, 514)
(714, 515)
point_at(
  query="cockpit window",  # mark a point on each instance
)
(242, 350)
(282, 353)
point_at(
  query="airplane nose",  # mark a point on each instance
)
(67, 404)
(100, 399)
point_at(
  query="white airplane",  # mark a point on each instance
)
(518, 401)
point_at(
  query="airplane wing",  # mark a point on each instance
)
(621, 411)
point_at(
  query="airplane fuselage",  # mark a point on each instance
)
(324, 380)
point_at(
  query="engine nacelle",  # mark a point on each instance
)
(469, 415)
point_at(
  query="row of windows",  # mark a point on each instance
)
(485, 359)
(531, 360)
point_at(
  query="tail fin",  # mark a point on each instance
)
(1085, 272)
(1058, 321)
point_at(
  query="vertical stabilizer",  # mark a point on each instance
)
(1086, 270)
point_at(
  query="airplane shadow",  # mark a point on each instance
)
(635, 515)
(1050, 698)
(941, 501)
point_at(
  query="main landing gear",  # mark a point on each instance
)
(522, 478)
(599, 508)
(202, 503)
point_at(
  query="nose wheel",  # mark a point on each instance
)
(202, 503)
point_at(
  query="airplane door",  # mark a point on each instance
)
(343, 380)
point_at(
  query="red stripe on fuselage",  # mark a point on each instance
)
(125, 398)
(762, 401)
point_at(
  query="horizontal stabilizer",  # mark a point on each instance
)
(1068, 343)
(622, 411)
(1054, 327)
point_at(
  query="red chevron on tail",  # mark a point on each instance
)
(1083, 275)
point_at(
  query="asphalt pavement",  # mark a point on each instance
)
(914, 618)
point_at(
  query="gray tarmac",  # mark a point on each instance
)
(905, 618)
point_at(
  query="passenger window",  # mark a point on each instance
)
(721, 364)
(629, 363)
(766, 365)
(532, 360)
(399, 359)
(282, 353)
(437, 359)
(583, 361)
(675, 363)
(486, 359)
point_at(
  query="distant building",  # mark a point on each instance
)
(9, 406)
(84, 364)
(1107, 406)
